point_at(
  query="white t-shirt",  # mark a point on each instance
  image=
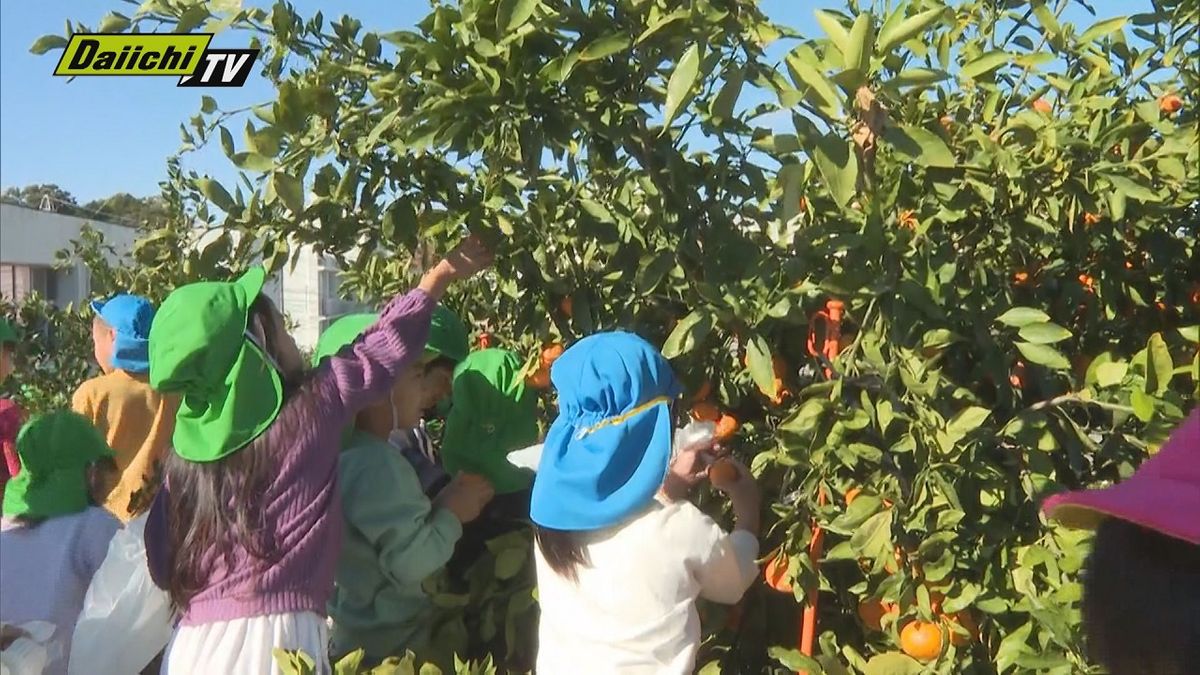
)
(633, 608)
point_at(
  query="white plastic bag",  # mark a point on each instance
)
(32, 652)
(126, 619)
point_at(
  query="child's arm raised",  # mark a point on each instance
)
(363, 373)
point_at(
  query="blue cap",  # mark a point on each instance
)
(130, 317)
(606, 455)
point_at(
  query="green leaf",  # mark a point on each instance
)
(208, 104)
(1013, 646)
(252, 161)
(350, 663)
(216, 193)
(46, 43)
(192, 17)
(596, 210)
(984, 64)
(400, 223)
(1046, 18)
(1044, 333)
(1131, 188)
(1190, 333)
(512, 14)
(290, 190)
(1044, 355)
(226, 142)
(818, 89)
(896, 34)
(920, 145)
(838, 167)
(679, 87)
(874, 538)
(967, 421)
(113, 22)
(758, 360)
(893, 663)
(1102, 28)
(859, 44)
(604, 46)
(1159, 367)
(722, 106)
(833, 27)
(1018, 317)
(1143, 405)
(1111, 373)
(692, 329)
(793, 660)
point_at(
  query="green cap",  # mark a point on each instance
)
(447, 335)
(341, 333)
(8, 334)
(493, 414)
(199, 348)
(55, 451)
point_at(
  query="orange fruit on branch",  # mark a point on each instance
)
(1087, 282)
(776, 573)
(1042, 105)
(908, 219)
(706, 412)
(871, 612)
(921, 640)
(486, 340)
(550, 353)
(727, 426)
(1091, 218)
(1170, 104)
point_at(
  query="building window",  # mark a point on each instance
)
(18, 281)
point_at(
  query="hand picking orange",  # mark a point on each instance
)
(727, 426)
(723, 472)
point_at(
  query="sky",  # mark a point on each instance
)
(98, 136)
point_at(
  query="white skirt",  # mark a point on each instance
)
(244, 646)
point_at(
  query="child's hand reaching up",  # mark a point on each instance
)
(465, 496)
(466, 260)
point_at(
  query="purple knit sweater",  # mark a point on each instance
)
(301, 504)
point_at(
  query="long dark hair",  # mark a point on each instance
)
(216, 507)
(563, 550)
(1141, 601)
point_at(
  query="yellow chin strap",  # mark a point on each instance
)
(623, 417)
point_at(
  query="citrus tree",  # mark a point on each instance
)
(994, 208)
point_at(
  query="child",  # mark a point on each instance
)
(1141, 586)
(492, 414)
(136, 420)
(51, 539)
(447, 346)
(10, 412)
(620, 563)
(245, 532)
(394, 536)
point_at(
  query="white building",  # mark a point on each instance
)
(29, 239)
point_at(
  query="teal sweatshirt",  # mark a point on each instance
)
(394, 539)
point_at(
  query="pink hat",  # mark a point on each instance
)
(1162, 495)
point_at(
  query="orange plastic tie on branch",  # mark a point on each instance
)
(831, 320)
(808, 624)
(832, 317)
